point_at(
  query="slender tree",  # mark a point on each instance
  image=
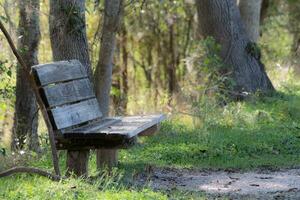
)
(221, 19)
(294, 28)
(103, 73)
(69, 41)
(120, 74)
(26, 115)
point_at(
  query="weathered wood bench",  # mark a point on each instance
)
(74, 113)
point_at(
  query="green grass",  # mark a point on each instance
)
(32, 187)
(258, 133)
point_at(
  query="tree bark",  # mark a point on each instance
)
(68, 31)
(294, 26)
(250, 12)
(221, 19)
(103, 73)
(26, 112)
(69, 41)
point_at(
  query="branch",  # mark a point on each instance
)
(30, 170)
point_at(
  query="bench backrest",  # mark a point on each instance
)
(67, 93)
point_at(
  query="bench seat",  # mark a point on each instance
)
(122, 127)
(112, 133)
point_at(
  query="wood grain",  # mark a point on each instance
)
(123, 127)
(74, 114)
(58, 72)
(68, 92)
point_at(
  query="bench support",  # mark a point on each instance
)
(107, 158)
(77, 162)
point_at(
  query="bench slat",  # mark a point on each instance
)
(94, 126)
(58, 72)
(74, 114)
(68, 92)
(126, 127)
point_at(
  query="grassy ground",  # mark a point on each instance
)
(258, 133)
(252, 134)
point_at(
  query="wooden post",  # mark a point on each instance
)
(107, 158)
(77, 162)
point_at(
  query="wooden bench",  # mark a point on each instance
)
(74, 113)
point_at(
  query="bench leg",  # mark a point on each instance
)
(77, 162)
(107, 158)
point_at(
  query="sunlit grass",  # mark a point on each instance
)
(261, 132)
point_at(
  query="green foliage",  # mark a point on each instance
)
(3, 151)
(209, 80)
(6, 88)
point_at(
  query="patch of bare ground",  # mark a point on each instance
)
(260, 184)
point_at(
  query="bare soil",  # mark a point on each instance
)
(260, 184)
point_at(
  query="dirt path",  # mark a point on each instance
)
(284, 184)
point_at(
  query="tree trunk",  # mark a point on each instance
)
(77, 162)
(171, 70)
(119, 74)
(69, 41)
(221, 20)
(68, 31)
(103, 73)
(26, 115)
(250, 13)
(124, 71)
(294, 26)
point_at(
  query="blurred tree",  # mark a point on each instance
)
(221, 20)
(26, 112)
(120, 74)
(294, 27)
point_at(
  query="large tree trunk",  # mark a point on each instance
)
(69, 41)
(250, 13)
(221, 20)
(103, 73)
(26, 115)
(68, 31)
